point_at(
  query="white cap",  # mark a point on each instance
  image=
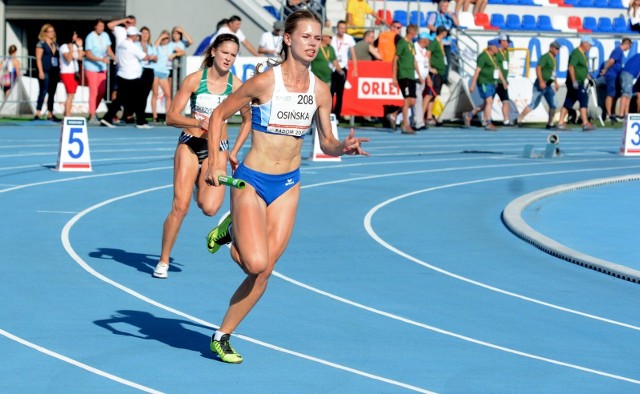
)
(133, 31)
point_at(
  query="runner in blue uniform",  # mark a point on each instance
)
(284, 101)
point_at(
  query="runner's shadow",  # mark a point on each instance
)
(142, 262)
(172, 332)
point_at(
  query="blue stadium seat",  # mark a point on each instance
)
(601, 3)
(510, 2)
(616, 4)
(620, 25)
(497, 20)
(527, 2)
(590, 23)
(401, 16)
(273, 11)
(494, 2)
(586, 3)
(544, 23)
(513, 22)
(573, 3)
(417, 18)
(605, 25)
(529, 22)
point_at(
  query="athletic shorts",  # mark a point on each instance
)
(69, 82)
(487, 90)
(436, 81)
(199, 145)
(502, 92)
(269, 187)
(408, 87)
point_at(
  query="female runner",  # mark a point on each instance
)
(285, 99)
(205, 89)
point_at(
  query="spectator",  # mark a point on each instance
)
(629, 73)
(181, 41)
(166, 52)
(327, 55)
(343, 44)
(364, 48)
(357, 11)
(611, 71)
(478, 6)
(119, 28)
(633, 12)
(422, 60)
(502, 90)
(70, 53)
(312, 5)
(233, 27)
(404, 69)
(486, 77)
(577, 79)
(387, 40)
(98, 54)
(271, 41)
(449, 20)
(129, 57)
(48, 69)
(437, 68)
(148, 66)
(10, 70)
(545, 85)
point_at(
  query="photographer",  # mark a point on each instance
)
(70, 53)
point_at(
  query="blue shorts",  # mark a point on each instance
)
(611, 85)
(161, 74)
(487, 90)
(626, 83)
(269, 187)
(573, 95)
(548, 93)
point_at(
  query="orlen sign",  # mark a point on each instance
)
(377, 89)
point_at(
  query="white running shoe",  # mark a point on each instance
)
(144, 126)
(161, 270)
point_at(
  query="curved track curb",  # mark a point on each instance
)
(512, 218)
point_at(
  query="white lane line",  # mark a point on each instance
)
(369, 228)
(77, 363)
(67, 245)
(454, 335)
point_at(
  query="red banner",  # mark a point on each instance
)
(370, 91)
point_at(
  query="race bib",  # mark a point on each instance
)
(291, 113)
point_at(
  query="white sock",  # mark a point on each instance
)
(218, 335)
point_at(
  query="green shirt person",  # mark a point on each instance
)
(404, 69)
(578, 73)
(326, 56)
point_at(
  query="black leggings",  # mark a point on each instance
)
(48, 86)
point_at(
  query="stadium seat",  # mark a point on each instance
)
(510, 2)
(559, 22)
(513, 22)
(273, 11)
(571, 3)
(417, 18)
(526, 2)
(497, 21)
(601, 3)
(529, 22)
(605, 25)
(617, 4)
(590, 23)
(499, 2)
(544, 23)
(467, 20)
(482, 20)
(575, 23)
(586, 3)
(401, 16)
(385, 16)
(620, 25)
